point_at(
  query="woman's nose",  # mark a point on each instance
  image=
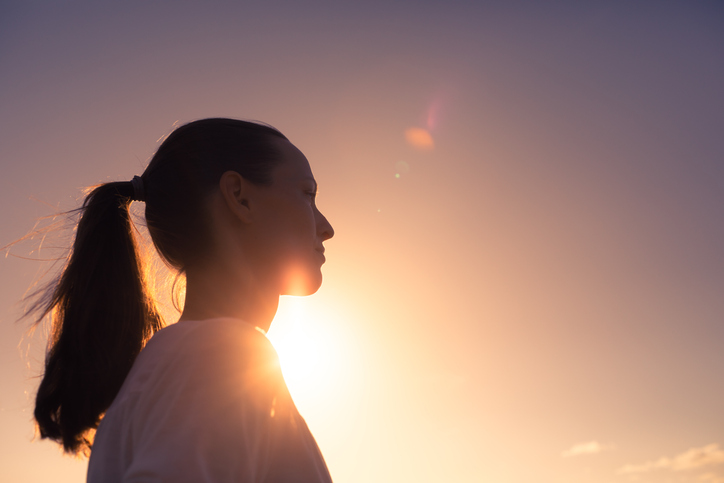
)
(324, 228)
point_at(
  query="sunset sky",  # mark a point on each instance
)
(526, 284)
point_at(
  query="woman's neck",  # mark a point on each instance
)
(214, 293)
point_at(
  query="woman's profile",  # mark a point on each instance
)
(231, 205)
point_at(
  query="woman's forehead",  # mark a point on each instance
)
(294, 165)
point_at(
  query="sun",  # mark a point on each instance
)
(308, 352)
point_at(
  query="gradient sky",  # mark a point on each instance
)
(531, 293)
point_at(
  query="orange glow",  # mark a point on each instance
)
(419, 138)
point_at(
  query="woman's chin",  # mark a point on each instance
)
(302, 286)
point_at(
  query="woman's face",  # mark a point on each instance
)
(289, 229)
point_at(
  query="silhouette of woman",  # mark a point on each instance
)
(230, 204)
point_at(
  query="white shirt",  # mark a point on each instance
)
(206, 402)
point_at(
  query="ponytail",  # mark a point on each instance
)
(102, 315)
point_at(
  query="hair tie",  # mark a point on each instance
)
(138, 192)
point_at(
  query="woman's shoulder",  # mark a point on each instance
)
(212, 355)
(204, 338)
(202, 397)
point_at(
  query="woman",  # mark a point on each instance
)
(230, 204)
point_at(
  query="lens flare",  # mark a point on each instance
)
(433, 114)
(401, 168)
(419, 138)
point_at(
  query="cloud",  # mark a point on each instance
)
(592, 447)
(711, 478)
(689, 459)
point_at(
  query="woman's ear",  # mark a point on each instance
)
(236, 190)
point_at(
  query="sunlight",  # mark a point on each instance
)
(308, 353)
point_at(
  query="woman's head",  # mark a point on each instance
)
(186, 170)
(269, 191)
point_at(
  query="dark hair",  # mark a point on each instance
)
(102, 313)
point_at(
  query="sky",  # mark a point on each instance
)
(526, 278)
